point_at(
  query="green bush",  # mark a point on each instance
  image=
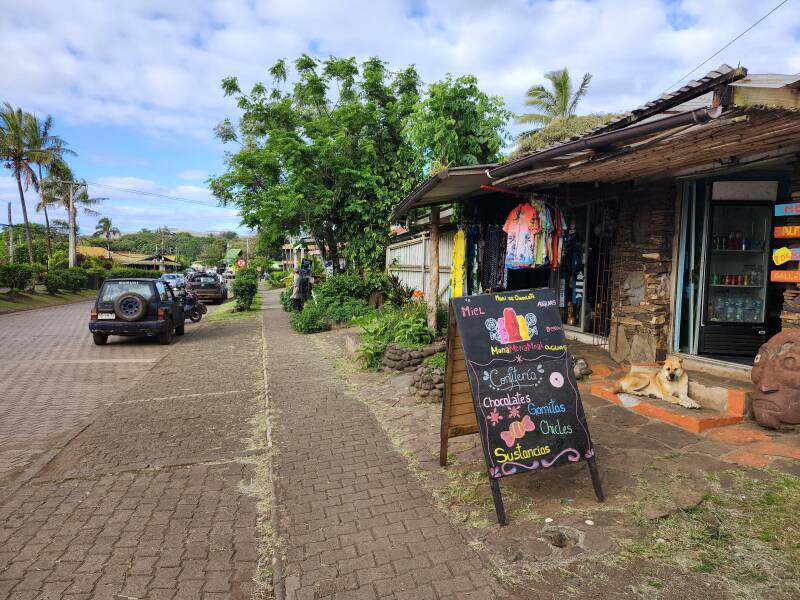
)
(16, 277)
(406, 326)
(286, 299)
(244, 290)
(74, 278)
(123, 272)
(346, 311)
(436, 361)
(58, 260)
(54, 281)
(247, 273)
(310, 320)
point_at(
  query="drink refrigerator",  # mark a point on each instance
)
(736, 278)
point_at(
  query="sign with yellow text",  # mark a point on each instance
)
(787, 231)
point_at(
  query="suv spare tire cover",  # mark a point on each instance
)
(130, 307)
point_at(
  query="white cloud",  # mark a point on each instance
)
(157, 66)
(131, 211)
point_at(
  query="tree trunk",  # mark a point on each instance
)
(73, 242)
(433, 290)
(25, 220)
(10, 237)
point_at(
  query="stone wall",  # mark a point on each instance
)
(428, 385)
(399, 358)
(641, 259)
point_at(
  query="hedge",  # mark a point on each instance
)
(131, 272)
(16, 276)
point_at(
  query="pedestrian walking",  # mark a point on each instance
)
(297, 291)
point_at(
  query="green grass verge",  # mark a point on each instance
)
(226, 311)
(19, 302)
(746, 536)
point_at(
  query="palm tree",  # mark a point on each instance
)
(18, 156)
(556, 104)
(107, 230)
(51, 150)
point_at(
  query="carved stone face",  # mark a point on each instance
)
(776, 375)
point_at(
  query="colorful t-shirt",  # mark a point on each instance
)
(521, 226)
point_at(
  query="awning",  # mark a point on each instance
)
(445, 187)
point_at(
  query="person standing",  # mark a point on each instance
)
(297, 291)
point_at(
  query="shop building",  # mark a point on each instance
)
(664, 220)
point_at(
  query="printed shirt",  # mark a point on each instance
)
(521, 226)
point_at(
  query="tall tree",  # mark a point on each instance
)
(49, 157)
(19, 156)
(106, 229)
(458, 124)
(326, 155)
(557, 103)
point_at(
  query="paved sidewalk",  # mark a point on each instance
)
(150, 500)
(355, 521)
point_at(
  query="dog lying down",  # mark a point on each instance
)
(670, 383)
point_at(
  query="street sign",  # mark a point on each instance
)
(240, 263)
(787, 210)
(524, 394)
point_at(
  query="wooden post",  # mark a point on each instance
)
(433, 289)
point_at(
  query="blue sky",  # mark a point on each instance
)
(134, 86)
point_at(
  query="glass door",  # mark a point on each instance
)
(738, 263)
(572, 269)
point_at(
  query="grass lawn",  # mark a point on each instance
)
(226, 311)
(18, 302)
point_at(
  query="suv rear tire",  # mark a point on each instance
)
(100, 339)
(165, 339)
(179, 330)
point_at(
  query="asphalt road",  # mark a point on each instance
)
(53, 379)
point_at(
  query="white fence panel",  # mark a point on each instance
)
(409, 260)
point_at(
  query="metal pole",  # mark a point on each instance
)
(73, 258)
(10, 237)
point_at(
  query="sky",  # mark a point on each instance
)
(134, 87)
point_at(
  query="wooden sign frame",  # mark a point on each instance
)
(459, 413)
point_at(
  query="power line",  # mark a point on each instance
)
(153, 194)
(726, 45)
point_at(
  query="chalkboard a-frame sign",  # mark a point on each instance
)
(507, 355)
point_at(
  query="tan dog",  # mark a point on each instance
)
(670, 383)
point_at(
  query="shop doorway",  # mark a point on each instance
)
(584, 275)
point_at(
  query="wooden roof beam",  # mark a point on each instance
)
(784, 97)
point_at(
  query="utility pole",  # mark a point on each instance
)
(247, 252)
(73, 249)
(10, 237)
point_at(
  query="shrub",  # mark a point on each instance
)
(436, 361)
(341, 287)
(54, 281)
(247, 273)
(58, 260)
(74, 278)
(412, 331)
(406, 326)
(286, 299)
(16, 277)
(310, 320)
(131, 272)
(38, 270)
(244, 289)
(346, 311)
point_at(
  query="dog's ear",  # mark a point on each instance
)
(661, 362)
(680, 361)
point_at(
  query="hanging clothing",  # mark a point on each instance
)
(473, 249)
(493, 258)
(522, 225)
(457, 272)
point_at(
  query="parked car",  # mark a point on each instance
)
(208, 287)
(175, 280)
(229, 274)
(136, 306)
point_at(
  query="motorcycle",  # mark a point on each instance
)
(193, 308)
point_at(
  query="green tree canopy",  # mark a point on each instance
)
(458, 124)
(325, 155)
